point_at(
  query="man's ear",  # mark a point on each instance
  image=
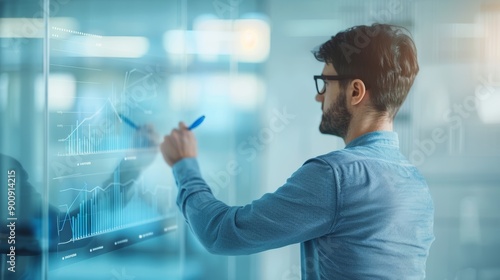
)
(358, 91)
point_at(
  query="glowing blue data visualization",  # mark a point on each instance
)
(95, 218)
(102, 178)
(102, 209)
(103, 131)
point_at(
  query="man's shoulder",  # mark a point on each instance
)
(341, 157)
(364, 155)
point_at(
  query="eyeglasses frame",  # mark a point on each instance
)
(330, 78)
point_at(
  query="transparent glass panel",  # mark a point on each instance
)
(78, 162)
(121, 76)
(112, 197)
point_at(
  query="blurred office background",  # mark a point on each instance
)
(247, 65)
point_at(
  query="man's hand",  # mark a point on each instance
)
(180, 144)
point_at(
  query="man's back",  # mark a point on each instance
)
(360, 213)
(383, 216)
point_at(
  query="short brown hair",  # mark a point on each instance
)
(383, 56)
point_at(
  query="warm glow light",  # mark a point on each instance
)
(246, 40)
(252, 40)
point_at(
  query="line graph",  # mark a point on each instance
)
(102, 209)
(107, 195)
(101, 132)
(90, 118)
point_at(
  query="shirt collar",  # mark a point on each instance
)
(388, 138)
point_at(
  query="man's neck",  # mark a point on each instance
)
(360, 127)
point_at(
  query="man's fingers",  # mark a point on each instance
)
(179, 144)
(175, 132)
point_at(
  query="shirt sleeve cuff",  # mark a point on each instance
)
(185, 170)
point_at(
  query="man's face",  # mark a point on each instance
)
(336, 116)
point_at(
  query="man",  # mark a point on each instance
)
(360, 212)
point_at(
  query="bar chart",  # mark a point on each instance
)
(103, 209)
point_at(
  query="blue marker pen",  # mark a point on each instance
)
(128, 121)
(196, 123)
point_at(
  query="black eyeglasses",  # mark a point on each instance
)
(320, 81)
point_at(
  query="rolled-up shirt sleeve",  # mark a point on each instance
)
(302, 209)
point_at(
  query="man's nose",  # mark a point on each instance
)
(319, 98)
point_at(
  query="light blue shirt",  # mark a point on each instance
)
(361, 212)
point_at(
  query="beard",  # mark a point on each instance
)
(335, 121)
